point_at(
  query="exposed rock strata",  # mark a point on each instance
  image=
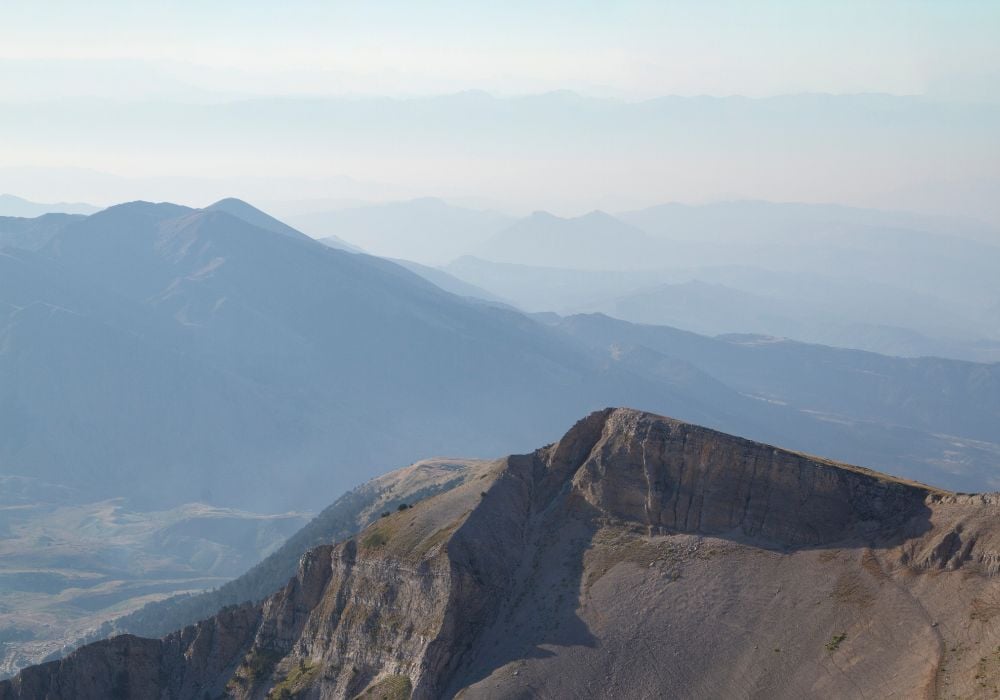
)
(637, 556)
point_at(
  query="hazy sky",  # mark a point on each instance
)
(632, 48)
(142, 89)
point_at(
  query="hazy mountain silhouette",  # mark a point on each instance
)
(594, 241)
(930, 255)
(890, 282)
(162, 352)
(207, 354)
(33, 234)
(428, 230)
(16, 206)
(252, 215)
(565, 150)
(931, 394)
(449, 283)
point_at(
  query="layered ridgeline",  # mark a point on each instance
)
(162, 355)
(890, 282)
(637, 557)
(169, 354)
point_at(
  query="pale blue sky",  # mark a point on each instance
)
(635, 48)
(175, 73)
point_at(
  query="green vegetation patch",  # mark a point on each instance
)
(389, 688)
(835, 641)
(261, 662)
(436, 538)
(298, 679)
(375, 539)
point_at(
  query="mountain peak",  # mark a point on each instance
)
(591, 543)
(139, 207)
(600, 214)
(705, 481)
(231, 202)
(253, 215)
(542, 215)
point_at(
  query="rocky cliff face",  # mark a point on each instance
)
(638, 556)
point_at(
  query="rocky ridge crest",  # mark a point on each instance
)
(416, 601)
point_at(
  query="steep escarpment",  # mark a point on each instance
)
(668, 474)
(639, 556)
(345, 517)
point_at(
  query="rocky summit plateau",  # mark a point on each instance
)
(637, 557)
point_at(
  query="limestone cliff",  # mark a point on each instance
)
(639, 556)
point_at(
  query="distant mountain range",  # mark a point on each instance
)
(427, 231)
(15, 206)
(595, 241)
(212, 354)
(562, 150)
(888, 282)
(162, 355)
(212, 350)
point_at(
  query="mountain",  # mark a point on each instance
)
(449, 283)
(254, 216)
(344, 518)
(534, 288)
(170, 355)
(594, 241)
(931, 256)
(639, 556)
(890, 282)
(104, 568)
(35, 233)
(67, 565)
(842, 312)
(164, 356)
(750, 220)
(339, 244)
(704, 308)
(915, 393)
(16, 207)
(428, 230)
(860, 316)
(208, 355)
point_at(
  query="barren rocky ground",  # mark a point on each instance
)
(637, 557)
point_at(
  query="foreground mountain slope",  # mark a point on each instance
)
(344, 518)
(639, 556)
(66, 566)
(72, 573)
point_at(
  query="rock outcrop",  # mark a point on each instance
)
(639, 556)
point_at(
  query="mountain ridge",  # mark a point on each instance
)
(447, 598)
(284, 325)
